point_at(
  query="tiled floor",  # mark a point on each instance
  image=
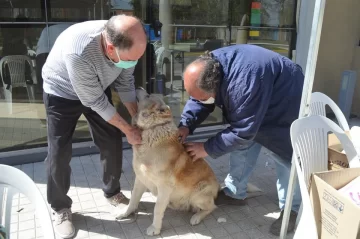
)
(93, 217)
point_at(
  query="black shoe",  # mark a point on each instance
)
(223, 199)
(275, 228)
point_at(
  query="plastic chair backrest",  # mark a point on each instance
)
(309, 137)
(16, 65)
(318, 107)
(318, 104)
(15, 178)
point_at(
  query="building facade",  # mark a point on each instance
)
(28, 30)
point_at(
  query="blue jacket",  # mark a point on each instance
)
(260, 96)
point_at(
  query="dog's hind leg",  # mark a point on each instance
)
(138, 191)
(206, 205)
(162, 202)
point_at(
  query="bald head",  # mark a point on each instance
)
(127, 34)
(202, 77)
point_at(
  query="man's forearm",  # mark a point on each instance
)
(131, 107)
(120, 123)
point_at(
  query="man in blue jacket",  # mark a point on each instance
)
(259, 92)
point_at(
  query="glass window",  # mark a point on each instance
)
(22, 11)
(267, 23)
(77, 11)
(25, 42)
(28, 30)
(189, 29)
(21, 95)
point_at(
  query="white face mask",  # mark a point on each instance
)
(209, 101)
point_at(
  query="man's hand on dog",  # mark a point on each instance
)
(134, 136)
(183, 133)
(196, 150)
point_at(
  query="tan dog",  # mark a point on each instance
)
(162, 165)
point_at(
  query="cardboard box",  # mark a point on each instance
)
(337, 159)
(336, 215)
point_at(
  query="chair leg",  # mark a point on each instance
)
(31, 93)
(5, 216)
(8, 99)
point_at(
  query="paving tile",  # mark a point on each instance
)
(183, 230)
(27, 234)
(246, 224)
(177, 221)
(232, 228)
(132, 232)
(219, 232)
(240, 235)
(94, 218)
(81, 234)
(252, 202)
(26, 225)
(112, 234)
(204, 235)
(218, 212)
(210, 222)
(188, 236)
(254, 233)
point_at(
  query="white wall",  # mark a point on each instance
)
(338, 50)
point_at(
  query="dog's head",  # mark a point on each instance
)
(152, 111)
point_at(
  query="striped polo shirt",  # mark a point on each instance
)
(77, 69)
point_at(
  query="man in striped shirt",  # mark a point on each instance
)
(86, 59)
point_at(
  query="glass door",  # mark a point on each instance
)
(178, 32)
(181, 30)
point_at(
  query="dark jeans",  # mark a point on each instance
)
(62, 116)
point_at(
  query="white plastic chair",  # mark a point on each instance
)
(11, 177)
(309, 139)
(16, 65)
(318, 107)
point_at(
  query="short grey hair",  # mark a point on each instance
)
(211, 74)
(119, 39)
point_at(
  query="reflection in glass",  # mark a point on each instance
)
(11, 10)
(77, 11)
(19, 93)
(22, 114)
(190, 27)
(25, 43)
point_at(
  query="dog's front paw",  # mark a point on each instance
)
(122, 213)
(195, 219)
(152, 231)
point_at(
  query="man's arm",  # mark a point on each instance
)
(125, 87)
(87, 87)
(131, 107)
(195, 113)
(247, 107)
